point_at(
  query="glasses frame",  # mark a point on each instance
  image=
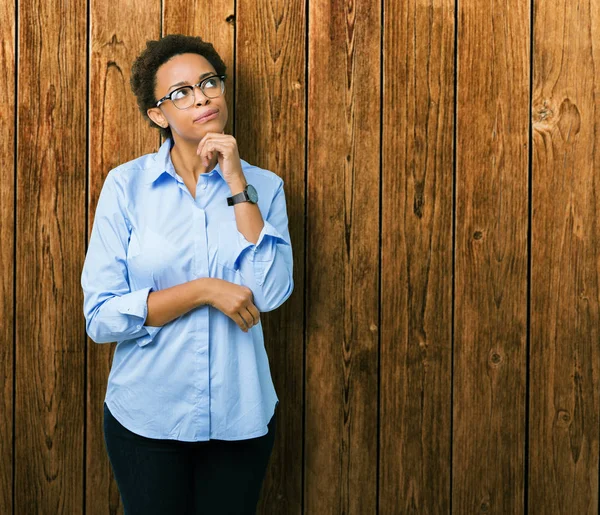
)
(199, 85)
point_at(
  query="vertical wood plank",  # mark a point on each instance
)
(491, 258)
(565, 250)
(190, 17)
(50, 214)
(7, 257)
(343, 257)
(270, 126)
(416, 261)
(118, 133)
(282, 83)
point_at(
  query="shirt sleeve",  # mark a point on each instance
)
(113, 312)
(267, 266)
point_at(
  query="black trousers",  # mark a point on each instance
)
(170, 477)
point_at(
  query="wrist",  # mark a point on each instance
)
(205, 290)
(237, 186)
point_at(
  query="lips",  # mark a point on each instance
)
(206, 114)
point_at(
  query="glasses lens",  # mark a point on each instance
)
(183, 97)
(212, 87)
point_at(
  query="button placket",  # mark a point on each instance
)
(203, 179)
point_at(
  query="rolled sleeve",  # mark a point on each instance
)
(136, 304)
(112, 311)
(263, 250)
(267, 265)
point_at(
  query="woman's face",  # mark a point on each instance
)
(183, 70)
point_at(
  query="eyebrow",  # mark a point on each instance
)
(184, 82)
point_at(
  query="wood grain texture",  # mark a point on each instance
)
(565, 269)
(7, 252)
(400, 360)
(416, 259)
(118, 133)
(271, 91)
(213, 22)
(50, 215)
(270, 121)
(342, 330)
(490, 303)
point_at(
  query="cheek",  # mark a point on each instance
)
(177, 120)
(173, 115)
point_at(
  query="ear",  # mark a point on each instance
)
(157, 116)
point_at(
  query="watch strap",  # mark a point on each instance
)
(242, 196)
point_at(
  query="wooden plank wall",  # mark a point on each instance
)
(117, 133)
(417, 243)
(439, 353)
(491, 224)
(565, 258)
(7, 252)
(50, 180)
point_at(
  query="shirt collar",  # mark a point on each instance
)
(162, 163)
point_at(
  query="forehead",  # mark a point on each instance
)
(182, 67)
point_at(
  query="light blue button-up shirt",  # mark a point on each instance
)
(200, 376)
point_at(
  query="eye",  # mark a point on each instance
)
(211, 83)
(180, 93)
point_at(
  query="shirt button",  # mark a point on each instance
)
(203, 185)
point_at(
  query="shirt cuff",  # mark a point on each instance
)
(146, 339)
(136, 304)
(260, 251)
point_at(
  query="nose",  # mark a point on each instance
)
(196, 96)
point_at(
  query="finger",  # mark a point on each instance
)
(207, 145)
(203, 152)
(211, 135)
(206, 156)
(210, 147)
(247, 317)
(254, 313)
(201, 144)
(237, 318)
(204, 139)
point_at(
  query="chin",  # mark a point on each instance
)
(209, 126)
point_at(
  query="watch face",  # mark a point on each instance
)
(252, 193)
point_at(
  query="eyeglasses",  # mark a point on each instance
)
(184, 97)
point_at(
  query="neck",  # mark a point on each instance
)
(186, 162)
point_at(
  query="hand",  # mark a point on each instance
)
(227, 155)
(236, 302)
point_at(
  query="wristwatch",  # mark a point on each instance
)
(248, 195)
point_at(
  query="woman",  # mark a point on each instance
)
(189, 245)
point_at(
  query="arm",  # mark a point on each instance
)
(112, 311)
(170, 303)
(264, 261)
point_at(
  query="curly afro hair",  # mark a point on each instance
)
(156, 53)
